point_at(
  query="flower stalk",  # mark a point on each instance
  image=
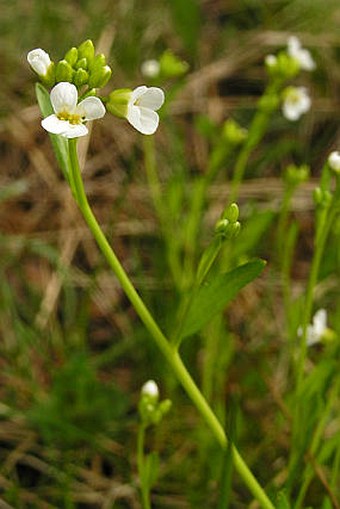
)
(168, 350)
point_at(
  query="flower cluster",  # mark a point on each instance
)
(286, 65)
(80, 74)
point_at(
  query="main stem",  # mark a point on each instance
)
(168, 350)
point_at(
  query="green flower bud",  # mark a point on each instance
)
(227, 230)
(317, 195)
(49, 79)
(118, 101)
(71, 56)
(282, 66)
(321, 197)
(81, 64)
(64, 71)
(328, 335)
(99, 78)
(171, 66)
(86, 50)
(233, 132)
(165, 406)
(231, 213)
(295, 175)
(97, 63)
(80, 77)
(91, 92)
(222, 227)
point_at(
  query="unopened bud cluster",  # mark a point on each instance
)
(322, 197)
(282, 66)
(80, 66)
(228, 226)
(295, 175)
(233, 132)
(151, 410)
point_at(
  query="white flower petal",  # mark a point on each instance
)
(137, 93)
(320, 322)
(91, 108)
(296, 102)
(311, 337)
(54, 125)
(75, 131)
(306, 61)
(300, 54)
(39, 60)
(64, 97)
(143, 119)
(290, 112)
(153, 98)
(293, 44)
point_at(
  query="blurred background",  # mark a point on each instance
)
(73, 354)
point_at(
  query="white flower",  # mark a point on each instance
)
(300, 54)
(296, 102)
(334, 160)
(317, 329)
(69, 117)
(142, 106)
(39, 60)
(150, 68)
(150, 388)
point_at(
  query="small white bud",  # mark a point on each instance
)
(334, 161)
(39, 60)
(150, 388)
(270, 60)
(150, 68)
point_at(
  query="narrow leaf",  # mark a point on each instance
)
(59, 143)
(187, 18)
(213, 296)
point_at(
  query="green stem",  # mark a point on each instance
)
(145, 492)
(315, 443)
(321, 237)
(169, 352)
(324, 224)
(172, 251)
(258, 127)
